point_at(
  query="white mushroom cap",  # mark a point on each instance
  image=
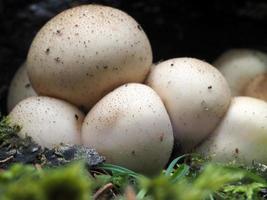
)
(240, 66)
(20, 88)
(242, 134)
(130, 127)
(85, 52)
(48, 121)
(195, 94)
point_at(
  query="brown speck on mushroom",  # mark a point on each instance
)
(237, 150)
(210, 87)
(58, 32)
(27, 85)
(161, 137)
(133, 152)
(91, 75)
(57, 59)
(76, 117)
(47, 50)
(105, 67)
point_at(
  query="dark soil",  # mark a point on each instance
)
(201, 29)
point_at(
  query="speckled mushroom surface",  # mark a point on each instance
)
(130, 127)
(48, 121)
(85, 52)
(242, 134)
(196, 96)
(20, 88)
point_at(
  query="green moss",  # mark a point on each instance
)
(26, 183)
(72, 182)
(213, 181)
(7, 130)
(16, 172)
(25, 190)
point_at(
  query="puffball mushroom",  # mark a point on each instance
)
(240, 67)
(20, 88)
(130, 127)
(48, 121)
(242, 134)
(196, 96)
(85, 52)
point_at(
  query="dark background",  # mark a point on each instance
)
(201, 29)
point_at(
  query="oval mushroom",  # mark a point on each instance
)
(196, 96)
(20, 88)
(242, 134)
(48, 121)
(240, 67)
(130, 127)
(85, 52)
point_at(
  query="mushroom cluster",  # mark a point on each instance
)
(241, 136)
(89, 79)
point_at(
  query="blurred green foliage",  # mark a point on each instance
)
(23, 182)
(179, 181)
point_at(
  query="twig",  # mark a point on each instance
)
(94, 172)
(113, 193)
(102, 190)
(38, 167)
(6, 159)
(130, 194)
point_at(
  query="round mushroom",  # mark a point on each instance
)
(196, 96)
(20, 88)
(48, 121)
(85, 52)
(240, 67)
(242, 134)
(130, 127)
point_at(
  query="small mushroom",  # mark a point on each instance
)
(242, 134)
(20, 88)
(48, 121)
(196, 96)
(130, 127)
(85, 52)
(244, 70)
